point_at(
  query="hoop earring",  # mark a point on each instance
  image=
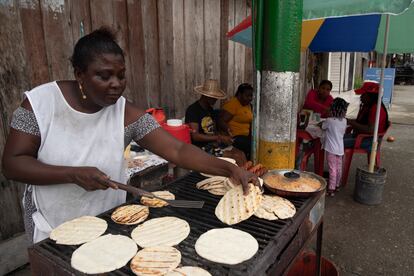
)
(81, 90)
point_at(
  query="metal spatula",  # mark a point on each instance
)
(173, 203)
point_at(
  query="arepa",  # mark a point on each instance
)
(157, 260)
(115, 251)
(154, 202)
(130, 214)
(274, 207)
(79, 230)
(283, 208)
(263, 212)
(235, 207)
(226, 246)
(204, 184)
(216, 185)
(164, 231)
(218, 191)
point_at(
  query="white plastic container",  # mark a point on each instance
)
(174, 122)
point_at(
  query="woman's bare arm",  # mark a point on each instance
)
(223, 121)
(190, 157)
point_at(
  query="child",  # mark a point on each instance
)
(335, 126)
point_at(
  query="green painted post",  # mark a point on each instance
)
(258, 32)
(282, 26)
(280, 61)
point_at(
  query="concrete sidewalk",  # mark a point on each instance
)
(378, 240)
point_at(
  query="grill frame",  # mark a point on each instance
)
(273, 237)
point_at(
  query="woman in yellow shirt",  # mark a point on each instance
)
(236, 118)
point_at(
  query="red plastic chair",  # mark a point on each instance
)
(349, 153)
(316, 151)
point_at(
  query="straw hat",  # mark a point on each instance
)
(211, 89)
(369, 86)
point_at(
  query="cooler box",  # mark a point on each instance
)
(177, 129)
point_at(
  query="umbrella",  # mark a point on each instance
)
(332, 34)
(242, 33)
(400, 39)
(313, 9)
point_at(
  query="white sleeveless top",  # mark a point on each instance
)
(73, 138)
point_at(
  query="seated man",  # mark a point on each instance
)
(199, 116)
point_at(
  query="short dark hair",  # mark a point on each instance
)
(243, 88)
(101, 41)
(323, 82)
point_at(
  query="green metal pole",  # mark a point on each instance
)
(282, 25)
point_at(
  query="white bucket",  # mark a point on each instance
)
(174, 122)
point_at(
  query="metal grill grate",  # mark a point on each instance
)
(267, 233)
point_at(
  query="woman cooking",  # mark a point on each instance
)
(67, 140)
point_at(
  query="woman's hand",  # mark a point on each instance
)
(91, 179)
(242, 177)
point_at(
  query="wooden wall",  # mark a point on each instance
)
(170, 46)
(13, 80)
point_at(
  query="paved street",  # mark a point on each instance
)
(378, 240)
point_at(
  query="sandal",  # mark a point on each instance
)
(331, 193)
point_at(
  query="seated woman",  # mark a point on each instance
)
(204, 133)
(236, 118)
(365, 121)
(320, 100)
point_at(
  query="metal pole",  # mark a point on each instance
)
(257, 21)
(256, 118)
(380, 94)
(340, 73)
(282, 25)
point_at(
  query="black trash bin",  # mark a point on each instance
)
(369, 186)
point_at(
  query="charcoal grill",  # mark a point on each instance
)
(279, 241)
